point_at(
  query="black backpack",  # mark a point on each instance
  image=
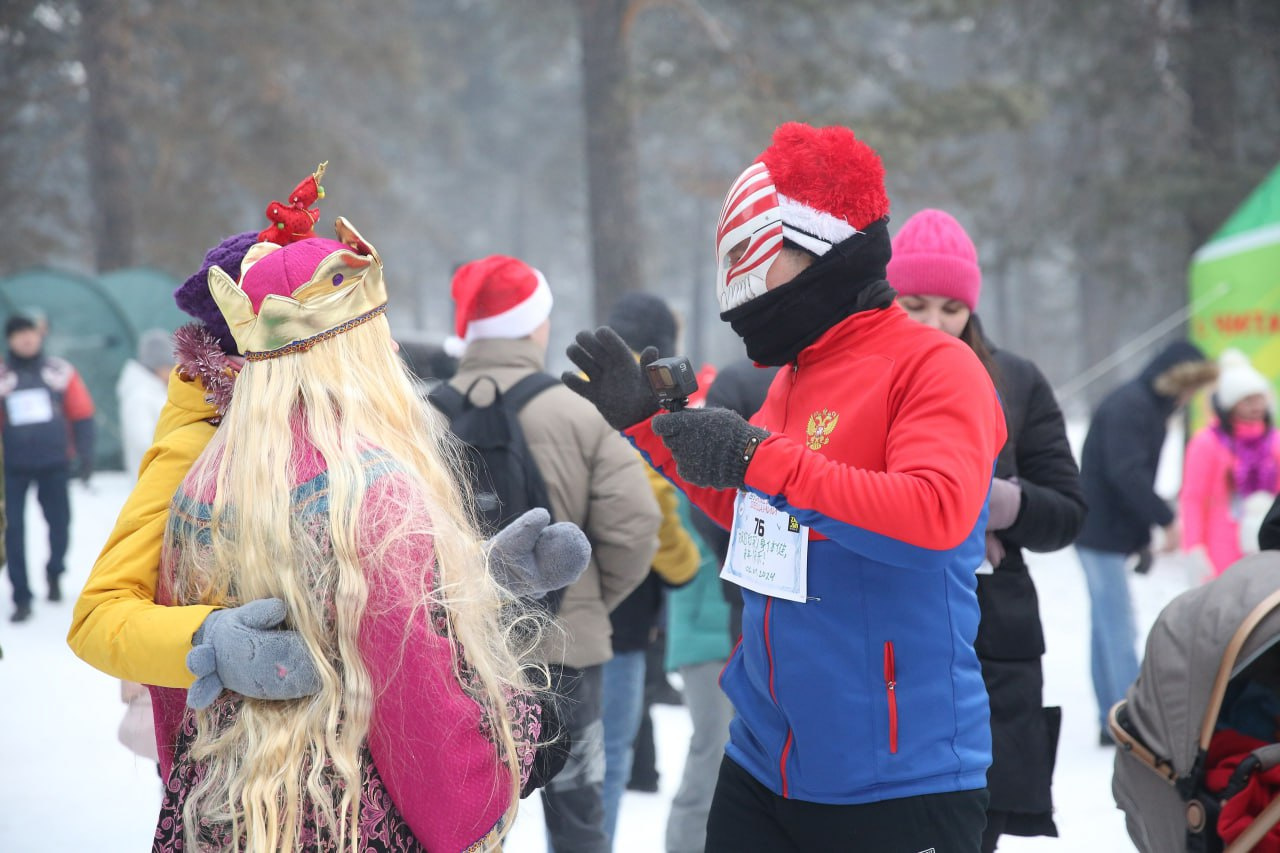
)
(505, 480)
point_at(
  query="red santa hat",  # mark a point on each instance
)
(497, 297)
(830, 184)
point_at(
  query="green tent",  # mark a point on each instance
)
(146, 295)
(1235, 279)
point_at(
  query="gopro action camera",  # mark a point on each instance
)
(673, 380)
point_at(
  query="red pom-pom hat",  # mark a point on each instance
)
(814, 186)
(830, 184)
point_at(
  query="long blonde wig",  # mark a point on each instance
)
(275, 761)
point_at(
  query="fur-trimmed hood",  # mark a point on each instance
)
(1178, 368)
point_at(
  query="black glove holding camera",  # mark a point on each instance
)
(615, 383)
(711, 447)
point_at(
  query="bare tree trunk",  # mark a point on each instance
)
(610, 152)
(1211, 85)
(105, 51)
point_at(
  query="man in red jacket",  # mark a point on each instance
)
(856, 500)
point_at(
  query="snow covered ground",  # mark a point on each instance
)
(66, 784)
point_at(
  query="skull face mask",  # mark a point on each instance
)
(751, 215)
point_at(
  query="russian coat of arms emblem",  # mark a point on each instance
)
(821, 425)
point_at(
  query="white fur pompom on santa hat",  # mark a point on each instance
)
(1237, 379)
(496, 297)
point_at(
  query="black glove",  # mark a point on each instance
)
(615, 383)
(712, 447)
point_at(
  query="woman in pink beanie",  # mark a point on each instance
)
(1232, 466)
(1035, 503)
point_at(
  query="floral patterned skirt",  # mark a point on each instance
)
(382, 828)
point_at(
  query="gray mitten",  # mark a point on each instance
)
(1006, 503)
(240, 649)
(615, 382)
(531, 557)
(712, 447)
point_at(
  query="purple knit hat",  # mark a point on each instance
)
(193, 295)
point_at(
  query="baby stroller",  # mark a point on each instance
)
(1211, 672)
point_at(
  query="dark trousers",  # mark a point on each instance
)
(51, 492)
(573, 801)
(996, 822)
(644, 753)
(746, 817)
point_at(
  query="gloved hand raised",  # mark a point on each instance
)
(615, 382)
(241, 649)
(712, 447)
(531, 557)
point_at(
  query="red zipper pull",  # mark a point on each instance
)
(891, 693)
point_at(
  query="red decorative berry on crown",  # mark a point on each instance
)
(296, 220)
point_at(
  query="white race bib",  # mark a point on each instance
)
(31, 406)
(768, 550)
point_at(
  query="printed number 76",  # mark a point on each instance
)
(759, 526)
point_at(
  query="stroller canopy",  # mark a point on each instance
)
(1167, 704)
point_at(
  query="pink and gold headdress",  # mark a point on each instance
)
(298, 289)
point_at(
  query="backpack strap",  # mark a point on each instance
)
(449, 400)
(519, 394)
(453, 402)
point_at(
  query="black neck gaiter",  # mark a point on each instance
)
(850, 278)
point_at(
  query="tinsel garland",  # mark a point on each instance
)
(200, 357)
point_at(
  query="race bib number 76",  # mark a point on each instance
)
(768, 550)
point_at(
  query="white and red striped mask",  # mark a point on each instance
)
(751, 213)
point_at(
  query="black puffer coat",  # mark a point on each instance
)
(1010, 640)
(1122, 450)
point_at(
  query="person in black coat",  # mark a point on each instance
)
(1010, 643)
(1118, 471)
(1036, 504)
(46, 418)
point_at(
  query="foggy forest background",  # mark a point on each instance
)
(1089, 147)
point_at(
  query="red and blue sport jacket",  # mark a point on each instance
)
(884, 436)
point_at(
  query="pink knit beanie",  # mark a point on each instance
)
(933, 256)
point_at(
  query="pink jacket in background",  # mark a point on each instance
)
(1207, 503)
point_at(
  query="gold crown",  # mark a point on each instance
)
(347, 289)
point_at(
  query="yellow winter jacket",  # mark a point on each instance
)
(677, 559)
(117, 627)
